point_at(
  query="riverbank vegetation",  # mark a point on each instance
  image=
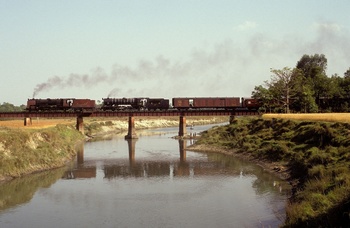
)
(28, 151)
(315, 154)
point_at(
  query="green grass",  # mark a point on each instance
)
(317, 155)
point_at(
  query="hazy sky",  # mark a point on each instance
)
(157, 48)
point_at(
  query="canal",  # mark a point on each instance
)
(149, 182)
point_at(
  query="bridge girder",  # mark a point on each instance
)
(25, 114)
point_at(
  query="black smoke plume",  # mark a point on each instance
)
(229, 67)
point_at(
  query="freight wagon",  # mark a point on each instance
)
(228, 103)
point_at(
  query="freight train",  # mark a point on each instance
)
(143, 103)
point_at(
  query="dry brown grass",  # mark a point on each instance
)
(36, 123)
(329, 117)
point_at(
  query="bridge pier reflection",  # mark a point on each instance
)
(80, 153)
(112, 169)
(79, 170)
(182, 148)
(131, 147)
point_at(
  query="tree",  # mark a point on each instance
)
(312, 65)
(8, 107)
(282, 85)
(347, 73)
(313, 68)
(264, 96)
(345, 84)
(335, 86)
(304, 100)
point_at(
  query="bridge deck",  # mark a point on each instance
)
(26, 114)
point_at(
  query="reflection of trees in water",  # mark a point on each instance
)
(233, 164)
(21, 190)
(265, 184)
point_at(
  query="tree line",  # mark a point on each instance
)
(305, 88)
(8, 107)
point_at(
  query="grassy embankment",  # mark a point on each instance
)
(24, 151)
(315, 154)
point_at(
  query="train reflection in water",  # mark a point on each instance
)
(154, 168)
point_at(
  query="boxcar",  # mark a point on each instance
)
(82, 104)
(207, 103)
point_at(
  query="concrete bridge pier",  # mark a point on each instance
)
(131, 129)
(27, 121)
(182, 126)
(80, 124)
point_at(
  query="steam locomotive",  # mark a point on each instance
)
(112, 104)
(61, 104)
(142, 103)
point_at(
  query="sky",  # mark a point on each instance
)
(156, 48)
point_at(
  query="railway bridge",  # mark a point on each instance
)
(27, 116)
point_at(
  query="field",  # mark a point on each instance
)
(328, 117)
(36, 123)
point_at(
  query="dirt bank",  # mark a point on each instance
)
(28, 151)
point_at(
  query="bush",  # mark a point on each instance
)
(315, 134)
(273, 150)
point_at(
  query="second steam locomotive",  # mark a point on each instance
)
(143, 103)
